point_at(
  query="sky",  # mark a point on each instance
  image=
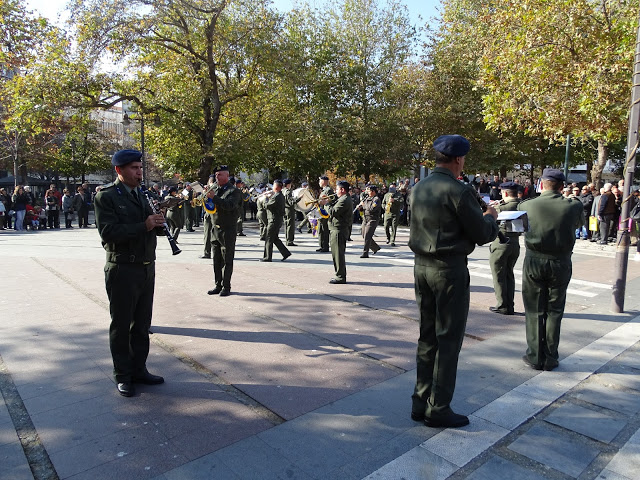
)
(417, 8)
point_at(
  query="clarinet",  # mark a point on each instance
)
(502, 238)
(172, 242)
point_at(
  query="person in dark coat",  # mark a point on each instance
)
(275, 207)
(447, 223)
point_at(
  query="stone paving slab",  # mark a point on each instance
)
(626, 461)
(595, 424)
(555, 449)
(611, 398)
(497, 468)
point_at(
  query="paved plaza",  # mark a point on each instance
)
(293, 378)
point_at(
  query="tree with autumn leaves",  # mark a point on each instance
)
(343, 87)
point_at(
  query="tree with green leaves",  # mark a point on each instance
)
(551, 68)
(187, 63)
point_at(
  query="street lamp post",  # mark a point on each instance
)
(126, 121)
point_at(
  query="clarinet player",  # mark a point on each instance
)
(128, 229)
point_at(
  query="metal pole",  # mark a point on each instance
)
(144, 155)
(622, 247)
(567, 155)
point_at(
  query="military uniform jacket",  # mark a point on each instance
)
(120, 221)
(275, 209)
(371, 207)
(396, 205)
(228, 200)
(176, 215)
(340, 213)
(553, 220)
(289, 202)
(446, 218)
(510, 205)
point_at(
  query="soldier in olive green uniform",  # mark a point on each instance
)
(289, 213)
(392, 203)
(244, 195)
(553, 220)
(371, 208)
(189, 211)
(207, 226)
(261, 203)
(128, 229)
(323, 223)
(227, 200)
(447, 223)
(340, 219)
(503, 256)
(275, 217)
(175, 216)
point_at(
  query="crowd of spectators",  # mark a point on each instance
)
(23, 210)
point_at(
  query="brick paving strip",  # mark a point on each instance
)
(442, 455)
(37, 456)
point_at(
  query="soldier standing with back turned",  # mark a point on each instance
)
(371, 208)
(447, 223)
(392, 204)
(503, 256)
(553, 220)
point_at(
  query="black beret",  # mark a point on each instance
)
(323, 177)
(372, 187)
(239, 180)
(452, 145)
(553, 174)
(509, 186)
(277, 181)
(286, 181)
(222, 168)
(172, 189)
(343, 184)
(123, 157)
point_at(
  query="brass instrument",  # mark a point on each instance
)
(387, 208)
(502, 238)
(322, 197)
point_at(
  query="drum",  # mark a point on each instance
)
(305, 201)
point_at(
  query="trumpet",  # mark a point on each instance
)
(317, 200)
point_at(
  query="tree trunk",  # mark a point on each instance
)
(204, 170)
(598, 167)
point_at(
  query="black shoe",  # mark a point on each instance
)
(126, 389)
(299, 230)
(528, 362)
(192, 230)
(417, 417)
(148, 379)
(225, 292)
(349, 239)
(285, 257)
(322, 250)
(205, 256)
(453, 420)
(265, 259)
(364, 255)
(291, 244)
(263, 238)
(501, 312)
(309, 231)
(215, 291)
(387, 241)
(373, 253)
(550, 365)
(393, 244)
(335, 280)
(241, 234)
(602, 243)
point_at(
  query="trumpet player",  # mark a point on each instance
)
(340, 219)
(392, 204)
(128, 229)
(227, 200)
(371, 208)
(175, 215)
(323, 223)
(189, 207)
